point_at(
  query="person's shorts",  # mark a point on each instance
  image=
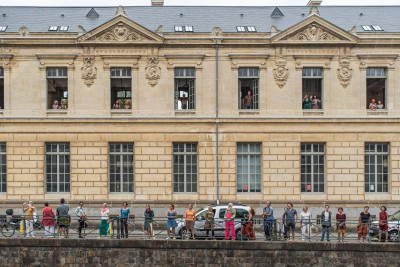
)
(64, 221)
(190, 225)
(383, 227)
(290, 226)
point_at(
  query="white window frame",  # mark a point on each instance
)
(254, 185)
(123, 158)
(3, 164)
(309, 156)
(186, 175)
(373, 187)
(67, 171)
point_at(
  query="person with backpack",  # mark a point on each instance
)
(82, 217)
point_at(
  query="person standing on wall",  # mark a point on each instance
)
(362, 226)
(190, 217)
(229, 217)
(63, 219)
(209, 224)
(124, 218)
(290, 217)
(148, 221)
(82, 217)
(29, 210)
(326, 216)
(171, 222)
(305, 223)
(268, 216)
(383, 223)
(341, 224)
(48, 220)
(105, 216)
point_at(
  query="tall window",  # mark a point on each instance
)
(121, 168)
(185, 167)
(312, 88)
(57, 88)
(376, 87)
(248, 88)
(3, 168)
(121, 88)
(57, 168)
(248, 167)
(376, 167)
(185, 88)
(1, 88)
(312, 167)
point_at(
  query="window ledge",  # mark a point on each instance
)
(1, 111)
(381, 112)
(185, 112)
(57, 112)
(118, 112)
(313, 112)
(249, 112)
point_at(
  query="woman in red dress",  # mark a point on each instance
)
(383, 223)
(248, 228)
(48, 220)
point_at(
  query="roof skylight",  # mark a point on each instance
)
(3, 28)
(183, 28)
(63, 28)
(53, 28)
(370, 28)
(377, 28)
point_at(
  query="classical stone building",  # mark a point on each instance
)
(148, 104)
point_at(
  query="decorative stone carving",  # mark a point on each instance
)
(23, 31)
(314, 33)
(89, 71)
(153, 71)
(281, 73)
(344, 72)
(120, 33)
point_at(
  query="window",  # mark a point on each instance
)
(367, 28)
(376, 167)
(183, 28)
(185, 88)
(248, 167)
(312, 167)
(312, 88)
(241, 29)
(188, 28)
(3, 168)
(121, 88)
(248, 88)
(246, 29)
(121, 168)
(1, 88)
(53, 28)
(377, 28)
(178, 28)
(57, 168)
(57, 88)
(63, 28)
(251, 29)
(3, 28)
(376, 88)
(185, 167)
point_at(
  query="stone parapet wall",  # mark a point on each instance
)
(121, 253)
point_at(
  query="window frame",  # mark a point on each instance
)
(313, 77)
(58, 173)
(247, 155)
(121, 161)
(312, 165)
(254, 87)
(3, 165)
(2, 95)
(385, 77)
(3, 28)
(61, 73)
(376, 154)
(185, 155)
(190, 81)
(122, 101)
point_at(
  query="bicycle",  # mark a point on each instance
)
(7, 229)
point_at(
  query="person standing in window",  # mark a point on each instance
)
(341, 224)
(190, 217)
(326, 216)
(171, 222)
(148, 221)
(306, 102)
(305, 222)
(104, 213)
(29, 209)
(373, 105)
(315, 102)
(80, 212)
(55, 105)
(229, 217)
(248, 100)
(380, 105)
(268, 216)
(290, 218)
(124, 218)
(362, 227)
(48, 220)
(383, 223)
(209, 225)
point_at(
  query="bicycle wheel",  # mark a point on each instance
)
(7, 231)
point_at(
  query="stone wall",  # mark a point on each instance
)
(72, 252)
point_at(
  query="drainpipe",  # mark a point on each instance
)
(216, 120)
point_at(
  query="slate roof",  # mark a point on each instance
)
(202, 18)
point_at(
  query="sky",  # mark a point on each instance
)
(191, 2)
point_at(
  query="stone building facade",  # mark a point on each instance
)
(147, 104)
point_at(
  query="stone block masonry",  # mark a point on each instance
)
(121, 253)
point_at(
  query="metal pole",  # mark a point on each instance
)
(216, 118)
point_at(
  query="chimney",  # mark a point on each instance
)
(314, 3)
(157, 2)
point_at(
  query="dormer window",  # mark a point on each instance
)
(246, 29)
(53, 28)
(251, 29)
(370, 28)
(188, 28)
(183, 28)
(63, 28)
(3, 28)
(377, 28)
(241, 29)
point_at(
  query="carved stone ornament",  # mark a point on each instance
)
(120, 33)
(153, 71)
(89, 71)
(281, 73)
(314, 33)
(344, 72)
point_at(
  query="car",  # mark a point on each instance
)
(393, 223)
(242, 211)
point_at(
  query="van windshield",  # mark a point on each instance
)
(395, 216)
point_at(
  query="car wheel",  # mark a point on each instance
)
(238, 234)
(183, 233)
(394, 235)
